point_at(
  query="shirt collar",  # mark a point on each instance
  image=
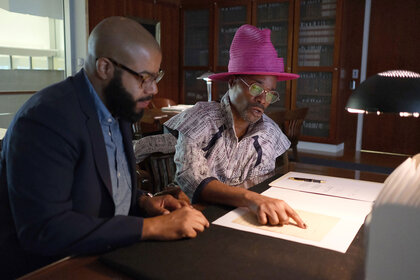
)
(105, 117)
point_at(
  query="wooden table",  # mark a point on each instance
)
(91, 268)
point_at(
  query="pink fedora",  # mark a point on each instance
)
(252, 53)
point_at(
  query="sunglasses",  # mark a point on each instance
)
(144, 77)
(256, 89)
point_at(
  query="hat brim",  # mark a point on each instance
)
(280, 76)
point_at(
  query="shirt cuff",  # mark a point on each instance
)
(199, 189)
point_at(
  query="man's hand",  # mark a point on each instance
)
(160, 205)
(273, 211)
(181, 223)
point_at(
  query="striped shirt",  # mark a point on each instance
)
(208, 149)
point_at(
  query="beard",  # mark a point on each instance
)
(247, 116)
(120, 102)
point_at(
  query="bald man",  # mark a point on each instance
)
(68, 181)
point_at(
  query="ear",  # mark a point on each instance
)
(104, 69)
(231, 81)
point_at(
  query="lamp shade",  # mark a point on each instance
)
(395, 91)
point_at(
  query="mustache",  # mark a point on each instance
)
(259, 105)
(147, 98)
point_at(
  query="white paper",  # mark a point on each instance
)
(349, 213)
(333, 186)
(177, 108)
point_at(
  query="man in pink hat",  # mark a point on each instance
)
(220, 145)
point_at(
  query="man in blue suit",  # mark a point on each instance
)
(68, 180)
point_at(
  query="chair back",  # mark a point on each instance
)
(161, 168)
(155, 155)
(290, 122)
(292, 127)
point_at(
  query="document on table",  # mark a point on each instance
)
(334, 186)
(332, 221)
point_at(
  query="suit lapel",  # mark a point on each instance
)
(94, 129)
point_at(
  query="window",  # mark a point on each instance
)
(32, 48)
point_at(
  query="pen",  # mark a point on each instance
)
(306, 180)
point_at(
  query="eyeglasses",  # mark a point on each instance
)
(144, 76)
(256, 89)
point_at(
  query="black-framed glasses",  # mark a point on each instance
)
(256, 89)
(144, 76)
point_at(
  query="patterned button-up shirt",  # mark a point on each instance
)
(208, 148)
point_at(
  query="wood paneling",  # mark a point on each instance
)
(142, 9)
(168, 15)
(394, 43)
(391, 133)
(100, 9)
(350, 58)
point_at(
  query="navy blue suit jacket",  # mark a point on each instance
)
(55, 187)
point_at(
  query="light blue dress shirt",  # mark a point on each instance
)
(117, 161)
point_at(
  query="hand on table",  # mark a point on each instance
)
(273, 211)
(181, 223)
(161, 205)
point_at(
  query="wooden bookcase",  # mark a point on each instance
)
(316, 59)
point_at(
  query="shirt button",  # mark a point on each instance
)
(109, 133)
(109, 120)
(118, 174)
(235, 181)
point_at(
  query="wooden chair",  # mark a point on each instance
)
(161, 168)
(292, 126)
(290, 122)
(155, 155)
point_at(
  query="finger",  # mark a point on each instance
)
(183, 203)
(262, 217)
(159, 211)
(190, 232)
(200, 218)
(273, 217)
(199, 227)
(283, 217)
(292, 214)
(170, 203)
(204, 221)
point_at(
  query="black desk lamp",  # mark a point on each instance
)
(395, 91)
